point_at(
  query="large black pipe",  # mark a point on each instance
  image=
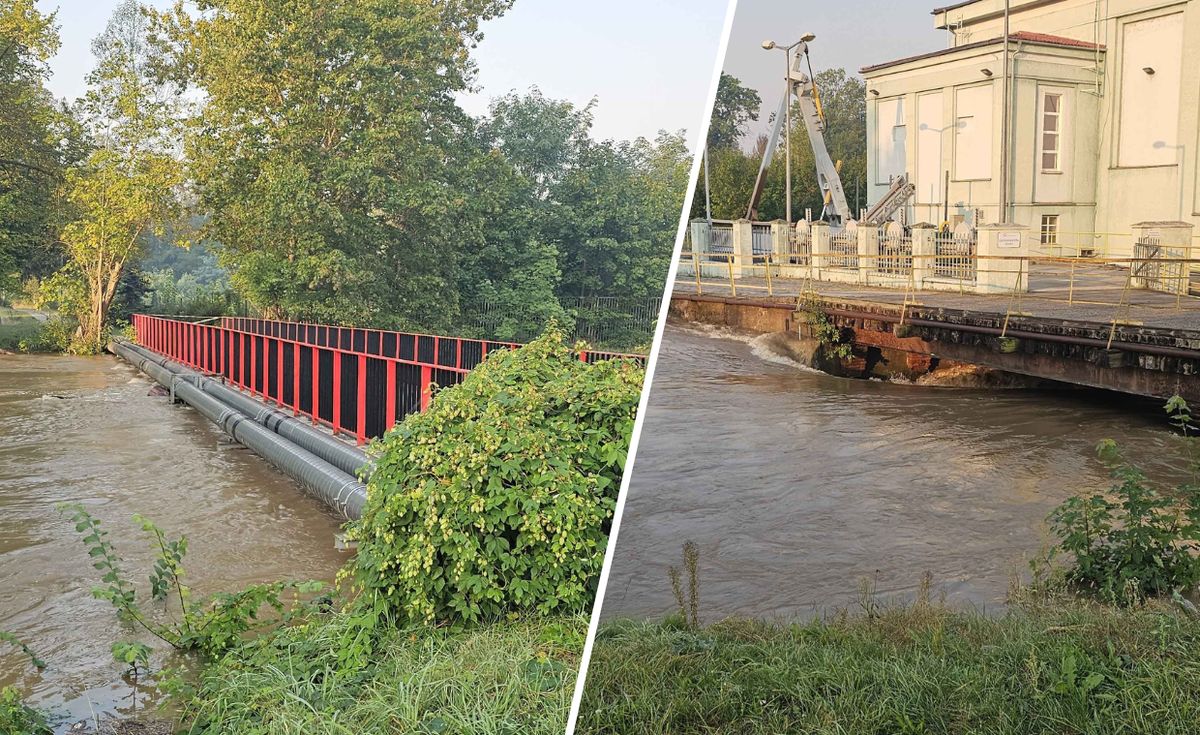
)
(1159, 350)
(337, 453)
(337, 489)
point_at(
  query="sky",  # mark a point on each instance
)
(850, 34)
(649, 63)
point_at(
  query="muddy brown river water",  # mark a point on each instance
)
(86, 430)
(797, 486)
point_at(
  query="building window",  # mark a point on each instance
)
(1049, 229)
(1051, 132)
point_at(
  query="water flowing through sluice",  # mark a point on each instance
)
(797, 486)
(86, 430)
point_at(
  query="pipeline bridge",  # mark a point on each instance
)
(305, 397)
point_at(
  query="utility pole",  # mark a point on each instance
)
(787, 134)
(707, 200)
(1004, 125)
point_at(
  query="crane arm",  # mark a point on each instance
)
(808, 100)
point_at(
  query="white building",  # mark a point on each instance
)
(1103, 127)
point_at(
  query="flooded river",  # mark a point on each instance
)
(797, 486)
(86, 430)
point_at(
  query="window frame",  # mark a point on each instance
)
(1049, 227)
(1058, 115)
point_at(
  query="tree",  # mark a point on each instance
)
(327, 150)
(37, 142)
(732, 170)
(616, 216)
(734, 108)
(126, 188)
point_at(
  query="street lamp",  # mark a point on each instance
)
(787, 133)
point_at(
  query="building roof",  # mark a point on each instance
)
(1042, 39)
(955, 6)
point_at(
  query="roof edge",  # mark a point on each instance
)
(1036, 41)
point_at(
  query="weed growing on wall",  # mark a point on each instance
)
(499, 497)
(824, 331)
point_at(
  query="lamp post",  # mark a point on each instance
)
(787, 112)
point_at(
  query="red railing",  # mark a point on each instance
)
(355, 381)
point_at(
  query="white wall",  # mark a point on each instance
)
(929, 175)
(1148, 123)
(890, 133)
(974, 138)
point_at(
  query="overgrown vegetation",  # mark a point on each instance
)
(1140, 539)
(16, 717)
(827, 334)
(463, 610)
(212, 626)
(499, 497)
(1051, 666)
(515, 676)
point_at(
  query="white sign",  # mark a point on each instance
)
(1009, 240)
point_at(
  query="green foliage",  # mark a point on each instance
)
(824, 331)
(9, 638)
(733, 170)
(18, 718)
(499, 497)
(125, 188)
(735, 107)
(1138, 540)
(512, 677)
(133, 655)
(336, 193)
(1062, 666)
(213, 626)
(38, 141)
(688, 603)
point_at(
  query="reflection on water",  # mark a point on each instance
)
(797, 485)
(84, 429)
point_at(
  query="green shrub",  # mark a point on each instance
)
(499, 497)
(1139, 540)
(16, 717)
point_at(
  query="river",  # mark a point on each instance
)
(87, 430)
(797, 486)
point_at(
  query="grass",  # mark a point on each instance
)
(1047, 666)
(511, 677)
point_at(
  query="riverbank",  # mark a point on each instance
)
(1052, 665)
(515, 676)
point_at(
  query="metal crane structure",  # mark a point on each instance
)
(808, 98)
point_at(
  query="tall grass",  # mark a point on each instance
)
(1046, 666)
(511, 677)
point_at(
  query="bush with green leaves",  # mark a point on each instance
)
(212, 626)
(1139, 540)
(16, 717)
(500, 496)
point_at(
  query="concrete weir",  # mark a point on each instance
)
(912, 339)
(263, 433)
